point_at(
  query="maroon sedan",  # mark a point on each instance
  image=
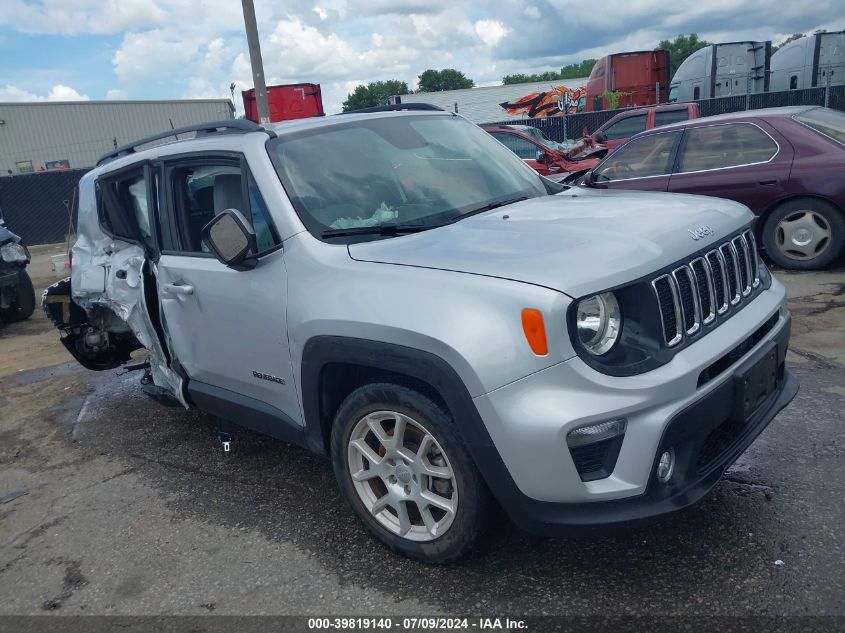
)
(786, 164)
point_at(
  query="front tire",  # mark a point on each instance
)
(403, 469)
(24, 304)
(804, 234)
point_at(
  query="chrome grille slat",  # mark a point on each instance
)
(694, 294)
(720, 280)
(688, 296)
(670, 317)
(731, 262)
(706, 291)
(755, 257)
(744, 262)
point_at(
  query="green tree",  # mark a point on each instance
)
(374, 94)
(682, 47)
(791, 38)
(447, 79)
(570, 71)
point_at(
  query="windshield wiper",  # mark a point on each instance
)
(390, 230)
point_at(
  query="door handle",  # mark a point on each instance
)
(178, 289)
(773, 181)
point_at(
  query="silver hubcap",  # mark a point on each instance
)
(402, 475)
(803, 235)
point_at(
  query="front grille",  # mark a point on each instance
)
(696, 292)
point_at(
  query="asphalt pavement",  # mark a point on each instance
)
(131, 507)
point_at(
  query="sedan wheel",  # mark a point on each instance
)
(402, 475)
(803, 235)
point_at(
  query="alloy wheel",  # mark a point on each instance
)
(402, 475)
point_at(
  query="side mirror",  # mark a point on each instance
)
(540, 156)
(589, 178)
(231, 238)
(600, 137)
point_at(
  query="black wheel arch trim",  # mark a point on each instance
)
(419, 365)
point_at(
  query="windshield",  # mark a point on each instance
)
(673, 94)
(829, 122)
(397, 170)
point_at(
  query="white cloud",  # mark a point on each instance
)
(532, 12)
(491, 32)
(13, 93)
(196, 48)
(153, 53)
(58, 92)
(81, 16)
(116, 94)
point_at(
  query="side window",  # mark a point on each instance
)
(201, 191)
(640, 158)
(719, 146)
(696, 93)
(626, 128)
(666, 117)
(793, 82)
(124, 208)
(520, 146)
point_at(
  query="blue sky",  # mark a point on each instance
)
(170, 49)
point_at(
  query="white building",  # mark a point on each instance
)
(50, 135)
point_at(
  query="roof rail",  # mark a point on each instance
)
(230, 126)
(394, 107)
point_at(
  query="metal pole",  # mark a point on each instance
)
(748, 92)
(657, 92)
(257, 64)
(827, 89)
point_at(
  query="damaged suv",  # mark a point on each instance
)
(453, 331)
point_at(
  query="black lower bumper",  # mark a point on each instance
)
(706, 437)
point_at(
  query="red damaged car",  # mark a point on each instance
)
(785, 164)
(546, 157)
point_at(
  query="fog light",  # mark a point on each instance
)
(665, 466)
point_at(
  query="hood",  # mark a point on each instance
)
(6, 235)
(578, 242)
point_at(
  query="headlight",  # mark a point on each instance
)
(13, 252)
(598, 322)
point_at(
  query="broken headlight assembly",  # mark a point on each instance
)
(14, 253)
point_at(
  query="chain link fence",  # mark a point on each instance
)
(41, 207)
(570, 127)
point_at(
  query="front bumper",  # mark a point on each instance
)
(8, 278)
(535, 478)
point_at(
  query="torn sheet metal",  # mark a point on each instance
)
(123, 294)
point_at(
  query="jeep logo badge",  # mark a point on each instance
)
(700, 232)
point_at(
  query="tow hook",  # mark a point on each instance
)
(224, 434)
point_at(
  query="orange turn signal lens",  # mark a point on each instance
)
(535, 331)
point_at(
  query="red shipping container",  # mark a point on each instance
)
(288, 101)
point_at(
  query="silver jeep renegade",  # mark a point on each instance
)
(397, 291)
